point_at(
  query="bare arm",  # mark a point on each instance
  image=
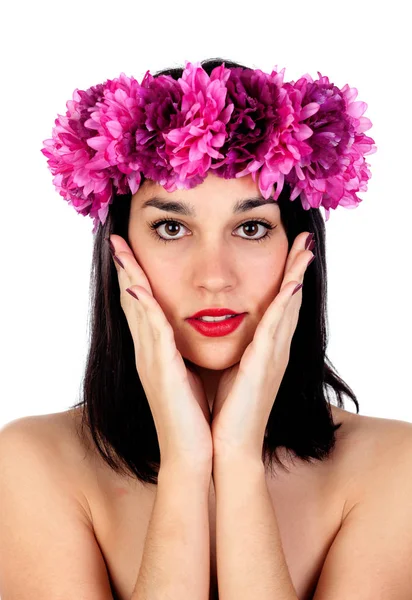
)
(250, 558)
(47, 544)
(176, 556)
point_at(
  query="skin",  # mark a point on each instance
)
(205, 265)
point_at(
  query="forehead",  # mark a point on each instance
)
(214, 191)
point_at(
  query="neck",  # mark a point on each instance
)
(210, 379)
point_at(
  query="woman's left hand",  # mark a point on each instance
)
(248, 389)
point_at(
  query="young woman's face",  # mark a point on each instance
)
(212, 260)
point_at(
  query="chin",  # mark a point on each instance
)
(212, 361)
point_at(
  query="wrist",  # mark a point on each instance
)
(179, 468)
(236, 462)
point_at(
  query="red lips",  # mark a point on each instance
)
(219, 328)
(213, 312)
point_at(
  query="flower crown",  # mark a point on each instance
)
(237, 121)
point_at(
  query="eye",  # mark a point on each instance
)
(262, 222)
(255, 224)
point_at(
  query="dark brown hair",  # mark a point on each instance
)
(115, 408)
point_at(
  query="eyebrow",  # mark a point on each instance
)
(182, 208)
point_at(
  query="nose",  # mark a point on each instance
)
(214, 267)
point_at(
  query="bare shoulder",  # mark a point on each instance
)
(378, 439)
(44, 513)
(375, 529)
(56, 437)
(373, 450)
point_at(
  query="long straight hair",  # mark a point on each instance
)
(115, 409)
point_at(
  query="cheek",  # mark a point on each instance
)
(165, 273)
(163, 280)
(264, 282)
(166, 282)
(267, 273)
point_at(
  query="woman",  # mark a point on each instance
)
(207, 458)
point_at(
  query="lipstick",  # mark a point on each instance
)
(217, 328)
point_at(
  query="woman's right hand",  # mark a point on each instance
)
(175, 394)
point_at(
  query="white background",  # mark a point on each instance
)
(48, 50)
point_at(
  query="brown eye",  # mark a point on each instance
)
(173, 227)
(251, 225)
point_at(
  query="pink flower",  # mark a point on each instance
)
(192, 146)
(256, 98)
(69, 154)
(115, 120)
(308, 134)
(335, 169)
(287, 145)
(159, 113)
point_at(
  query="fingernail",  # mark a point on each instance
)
(112, 250)
(308, 240)
(311, 245)
(117, 259)
(311, 260)
(132, 293)
(297, 288)
(111, 247)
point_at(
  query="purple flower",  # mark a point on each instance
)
(69, 154)
(255, 99)
(335, 169)
(308, 134)
(115, 121)
(191, 147)
(160, 112)
(287, 143)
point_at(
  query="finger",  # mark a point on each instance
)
(283, 311)
(297, 246)
(274, 314)
(286, 326)
(119, 266)
(161, 329)
(134, 271)
(297, 262)
(144, 315)
(122, 274)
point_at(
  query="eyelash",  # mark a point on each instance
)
(156, 224)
